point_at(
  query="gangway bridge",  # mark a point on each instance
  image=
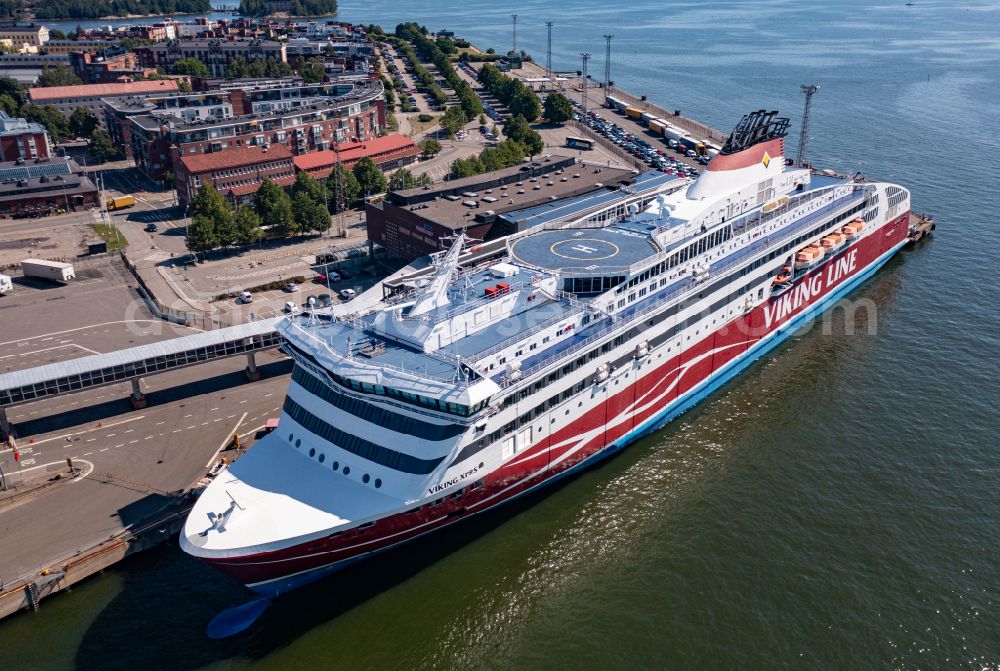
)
(134, 363)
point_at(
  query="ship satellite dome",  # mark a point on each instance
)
(633, 209)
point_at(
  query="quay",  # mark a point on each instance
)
(77, 541)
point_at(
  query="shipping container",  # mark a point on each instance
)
(121, 202)
(53, 271)
(656, 126)
(633, 113)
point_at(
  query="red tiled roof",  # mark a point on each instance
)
(88, 90)
(234, 157)
(353, 151)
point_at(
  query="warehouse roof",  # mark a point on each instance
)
(102, 90)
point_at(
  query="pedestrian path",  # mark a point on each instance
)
(156, 257)
(268, 270)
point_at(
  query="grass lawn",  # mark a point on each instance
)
(417, 127)
(112, 236)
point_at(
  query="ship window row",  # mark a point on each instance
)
(366, 449)
(373, 413)
(587, 285)
(694, 249)
(593, 354)
(380, 390)
(409, 397)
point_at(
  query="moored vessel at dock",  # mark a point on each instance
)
(504, 371)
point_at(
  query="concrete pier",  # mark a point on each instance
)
(137, 398)
(4, 424)
(253, 374)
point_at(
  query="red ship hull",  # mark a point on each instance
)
(661, 392)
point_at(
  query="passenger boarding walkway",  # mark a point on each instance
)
(134, 363)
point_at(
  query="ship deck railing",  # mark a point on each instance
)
(637, 312)
(457, 363)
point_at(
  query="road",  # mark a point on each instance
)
(134, 460)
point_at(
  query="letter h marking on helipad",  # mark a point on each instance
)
(584, 249)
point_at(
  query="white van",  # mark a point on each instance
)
(6, 285)
(246, 297)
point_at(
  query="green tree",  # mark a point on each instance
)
(53, 120)
(9, 105)
(201, 235)
(312, 70)
(453, 119)
(370, 178)
(431, 147)
(191, 67)
(310, 215)
(558, 108)
(11, 87)
(101, 147)
(305, 184)
(82, 122)
(209, 205)
(402, 179)
(56, 34)
(247, 224)
(349, 188)
(466, 167)
(274, 208)
(525, 103)
(60, 75)
(517, 129)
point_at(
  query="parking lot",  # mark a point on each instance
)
(653, 150)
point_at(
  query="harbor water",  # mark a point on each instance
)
(835, 507)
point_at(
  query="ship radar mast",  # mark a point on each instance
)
(435, 294)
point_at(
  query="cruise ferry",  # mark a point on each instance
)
(499, 373)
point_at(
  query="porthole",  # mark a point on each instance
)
(347, 470)
(378, 483)
(365, 478)
(290, 436)
(322, 457)
(335, 465)
(312, 451)
(298, 442)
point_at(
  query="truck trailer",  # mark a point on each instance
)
(121, 202)
(54, 271)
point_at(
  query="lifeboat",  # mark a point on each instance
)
(832, 242)
(809, 257)
(852, 231)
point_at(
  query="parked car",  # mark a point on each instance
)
(290, 306)
(324, 300)
(246, 297)
(151, 228)
(347, 294)
(291, 287)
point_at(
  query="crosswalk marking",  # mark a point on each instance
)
(156, 257)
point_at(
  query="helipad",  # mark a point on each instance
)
(583, 250)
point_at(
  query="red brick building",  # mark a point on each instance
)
(20, 138)
(388, 152)
(236, 173)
